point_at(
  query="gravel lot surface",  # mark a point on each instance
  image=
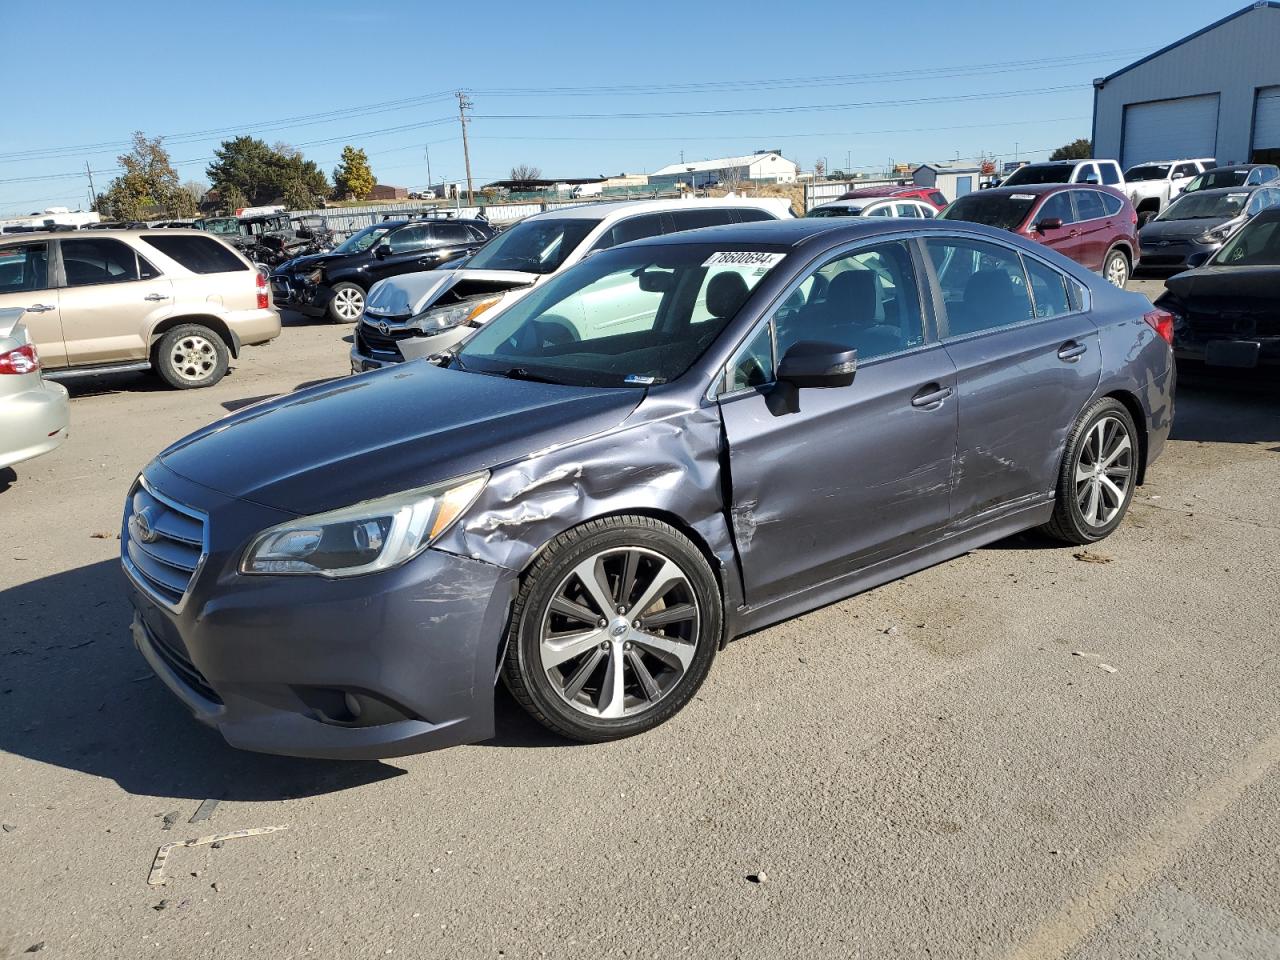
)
(941, 767)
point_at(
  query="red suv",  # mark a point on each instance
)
(1095, 226)
(927, 194)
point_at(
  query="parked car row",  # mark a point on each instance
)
(648, 449)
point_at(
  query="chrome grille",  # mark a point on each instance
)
(163, 544)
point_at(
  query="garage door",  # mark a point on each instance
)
(1170, 130)
(1266, 121)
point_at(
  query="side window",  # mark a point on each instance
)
(408, 239)
(982, 284)
(633, 228)
(753, 215)
(752, 366)
(450, 233)
(1086, 173)
(1255, 176)
(884, 211)
(938, 199)
(926, 211)
(1057, 207)
(1048, 289)
(868, 300)
(1110, 173)
(704, 217)
(476, 234)
(1183, 170)
(1088, 205)
(197, 254)
(98, 260)
(24, 268)
(1260, 200)
(1111, 205)
(906, 210)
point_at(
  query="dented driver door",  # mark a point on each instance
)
(826, 480)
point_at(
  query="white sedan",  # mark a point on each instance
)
(34, 413)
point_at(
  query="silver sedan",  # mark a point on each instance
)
(34, 413)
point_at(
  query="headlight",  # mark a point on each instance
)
(365, 537)
(454, 315)
(1219, 233)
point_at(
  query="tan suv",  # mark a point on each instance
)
(178, 301)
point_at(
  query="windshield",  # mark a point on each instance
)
(1216, 180)
(1042, 173)
(624, 317)
(1206, 206)
(221, 225)
(535, 246)
(362, 241)
(1004, 210)
(1256, 244)
(1152, 171)
(841, 211)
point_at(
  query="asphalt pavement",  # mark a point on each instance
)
(1022, 753)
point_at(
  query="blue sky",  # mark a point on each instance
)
(553, 83)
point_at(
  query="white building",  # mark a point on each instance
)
(1215, 93)
(763, 167)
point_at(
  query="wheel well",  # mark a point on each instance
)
(1151, 203)
(213, 323)
(1123, 248)
(1140, 422)
(672, 520)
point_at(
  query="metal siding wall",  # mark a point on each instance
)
(1235, 60)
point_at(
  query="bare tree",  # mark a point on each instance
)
(523, 175)
(819, 169)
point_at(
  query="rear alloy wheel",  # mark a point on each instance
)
(1099, 471)
(347, 305)
(191, 356)
(1116, 268)
(614, 629)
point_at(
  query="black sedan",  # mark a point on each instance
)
(1197, 224)
(1227, 312)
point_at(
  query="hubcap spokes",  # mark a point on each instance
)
(194, 358)
(1104, 471)
(620, 632)
(1118, 272)
(350, 304)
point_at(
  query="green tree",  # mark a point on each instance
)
(148, 188)
(353, 178)
(1081, 149)
(262, 174)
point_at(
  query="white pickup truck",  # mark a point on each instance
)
(1153, 186)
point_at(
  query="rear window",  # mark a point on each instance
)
(1040, 173)
(1004, 210)
(753, 215)
(198, 254)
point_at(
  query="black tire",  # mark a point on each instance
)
(342, 303)
(191, 356)
(522, 668)
(1116, 267)
(1069, 522)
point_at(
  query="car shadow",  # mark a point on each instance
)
(1227, 406)
(515, 728)
(75, 693)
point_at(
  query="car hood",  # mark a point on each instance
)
(379, 433)
(412, 293)
(1158, 230)
(311, 261)
(1256, 287)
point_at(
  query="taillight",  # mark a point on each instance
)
(1133, 217)
(1161, 322)
(23, 359)
(264, 292)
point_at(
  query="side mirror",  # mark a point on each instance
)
(1049, 223)
(812, 363)
(382, 251)
(1198, 259)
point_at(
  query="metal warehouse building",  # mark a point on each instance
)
(1215, 93)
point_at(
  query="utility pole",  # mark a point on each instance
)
(430, 184)
(93, 193)
(465, 104)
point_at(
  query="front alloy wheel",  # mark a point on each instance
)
(347, 305)
(614, 629)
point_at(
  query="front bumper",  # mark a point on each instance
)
(1172, 254)
(372, 350)
(1229, 351)
(35, 421)
(299, 293)
(267, 661)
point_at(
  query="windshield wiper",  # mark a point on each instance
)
(524, 373)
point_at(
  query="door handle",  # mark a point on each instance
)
(1072, 351)
(40, 308)
(156, 296)
(930, 395)
(1074, 233)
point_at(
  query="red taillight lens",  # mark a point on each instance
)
(22, 360)
(1162, 323)
(264, 293)
(1133, 215)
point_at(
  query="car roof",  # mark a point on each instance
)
(100, 234)
(1238, 166)
(885, 191)
(616, 210)
(1040, 189)
(1221, 191)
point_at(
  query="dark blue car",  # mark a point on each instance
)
(676, 442)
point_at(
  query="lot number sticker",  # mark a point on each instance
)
(743, 258)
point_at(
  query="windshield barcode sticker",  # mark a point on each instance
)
(743, 258)
(1022, 196)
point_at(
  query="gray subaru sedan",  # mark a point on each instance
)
(676, 442)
